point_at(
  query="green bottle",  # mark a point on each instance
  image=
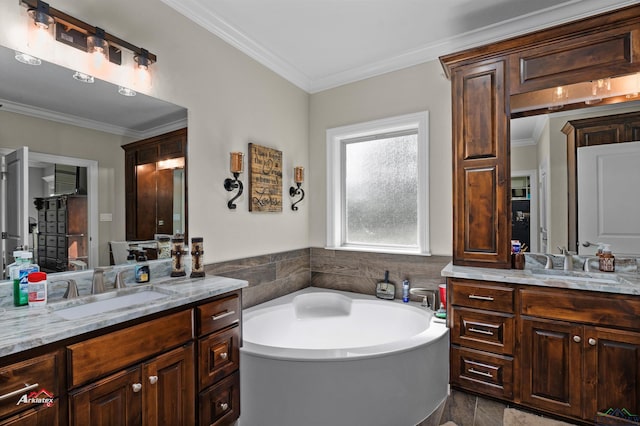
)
(20, 293)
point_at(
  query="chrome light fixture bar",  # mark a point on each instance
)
(75, 33)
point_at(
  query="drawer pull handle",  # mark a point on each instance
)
(224, 355)
(480, 331)
(220, 316)
(577, 339)
(19, 391)
(486, 298)
(137, 387)
(153, 379)
(481, 373)
(224, 406)
(592, 341)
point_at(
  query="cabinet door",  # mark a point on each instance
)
(115, 400)
(219, 405)
(481, 167)
(169, 388)
(612, 368)
(551, 366)
(39, 416)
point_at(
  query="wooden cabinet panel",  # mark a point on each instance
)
(218, 356)
(480, 175)
(489, 331)
(95, 357)
(485, 295)
(38, 416)
(551, 366)
(39, 374)
(573, 61)
(114, 400)
(482, 372)
(169, 388)
(219, 314)
(220, 404)
(600, 135)
(612, 369)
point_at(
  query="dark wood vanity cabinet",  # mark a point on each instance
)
(563, 352)
(483, 79)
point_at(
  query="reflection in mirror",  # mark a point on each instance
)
(64, 122)
(539, 150)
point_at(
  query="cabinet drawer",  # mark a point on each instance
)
(50, 240)
(218, 355)
(62, 215)
(62, 228)
(489, 331)
(220, 404)
(482, 372)
(52, 227)
(481, 294)
(581, 306)
(216, 315)
(101, 355)
(38, 375)
(52, 216)
(52, 252)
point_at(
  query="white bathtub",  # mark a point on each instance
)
(330, 358)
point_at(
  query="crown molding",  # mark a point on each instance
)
(73, 120)
(522, 142)
(556, 15)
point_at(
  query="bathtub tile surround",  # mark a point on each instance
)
(270, 275)
(359, 272)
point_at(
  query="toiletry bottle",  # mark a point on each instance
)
(131, 257)
(21, 282)
(37, 285)
(607, 260)
(20, 295)
(405, 291)
(142, 268)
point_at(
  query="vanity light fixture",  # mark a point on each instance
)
(125, 91)
(298, 177)
(80, 35)
(40, 27)
(236, 167)
(82, 77)
(599, 89)
(558, 98)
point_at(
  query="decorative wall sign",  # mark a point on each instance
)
(265, 179)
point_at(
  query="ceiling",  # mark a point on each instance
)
(320, 44)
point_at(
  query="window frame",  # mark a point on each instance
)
(335, 237)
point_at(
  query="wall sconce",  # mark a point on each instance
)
(298, 177)
(231, 184)
(102, 46)
(558, 98)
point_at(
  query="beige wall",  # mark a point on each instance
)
(232, 100)
(422, 87)
(524, 158)
(50, 137)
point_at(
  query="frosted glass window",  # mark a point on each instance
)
(378, 185)
(380, 197)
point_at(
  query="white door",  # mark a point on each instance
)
(608, 197)
(15, 202)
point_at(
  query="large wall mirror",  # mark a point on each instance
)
(55, 128)
(541, 179)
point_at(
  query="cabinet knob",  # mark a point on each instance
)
(224, 355)
(224, 406)
(153, 379)
(592, 341)
(137, 387)
(577, 339)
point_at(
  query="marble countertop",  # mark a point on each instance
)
(25, 328)
(619, 283)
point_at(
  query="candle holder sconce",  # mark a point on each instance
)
(294, 191)
(235, 183)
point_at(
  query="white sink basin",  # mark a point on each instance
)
(112, 304)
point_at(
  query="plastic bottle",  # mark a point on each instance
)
(20, 280)
(19, 298)
(405, 291)
(37, 284)
(142, 268)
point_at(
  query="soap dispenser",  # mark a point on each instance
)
(607, 260)
(142, 268)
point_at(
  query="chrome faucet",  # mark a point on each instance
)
(586, 267)
(568, 258)
(72, 289)
(120, 280)
(97, 283)
(549, 264)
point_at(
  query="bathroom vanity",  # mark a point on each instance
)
(564, 345)
(170, 360)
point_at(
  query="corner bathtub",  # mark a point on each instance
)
(331, 358)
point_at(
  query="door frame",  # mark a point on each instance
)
(534, 231)
(92, 193)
